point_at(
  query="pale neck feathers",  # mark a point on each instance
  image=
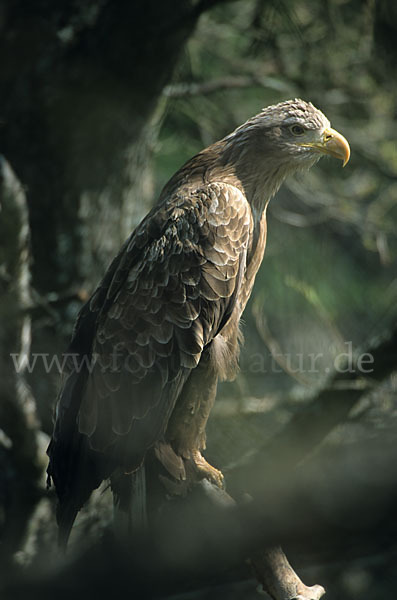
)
(241, 160)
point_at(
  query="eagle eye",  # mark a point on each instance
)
(297, 129)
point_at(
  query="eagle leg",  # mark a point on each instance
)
(186, 428)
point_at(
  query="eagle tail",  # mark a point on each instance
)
(74, 468)
(66, 516)
(129, 492)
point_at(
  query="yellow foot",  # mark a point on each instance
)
(206, 471)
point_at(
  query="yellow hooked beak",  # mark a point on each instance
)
(334, 144)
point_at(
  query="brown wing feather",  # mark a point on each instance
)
(165, 302)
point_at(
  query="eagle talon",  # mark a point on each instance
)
(207, 471)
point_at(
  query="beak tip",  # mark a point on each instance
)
(338, 146)
(346, 158)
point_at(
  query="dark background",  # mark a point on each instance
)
(100, 102)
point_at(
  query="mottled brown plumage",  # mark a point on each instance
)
(163, 325)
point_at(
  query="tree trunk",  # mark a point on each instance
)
(19, 469)
(79, 85)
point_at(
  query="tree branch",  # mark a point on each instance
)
(186, 90)
(313, 422)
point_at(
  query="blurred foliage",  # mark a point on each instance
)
(329, 274)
